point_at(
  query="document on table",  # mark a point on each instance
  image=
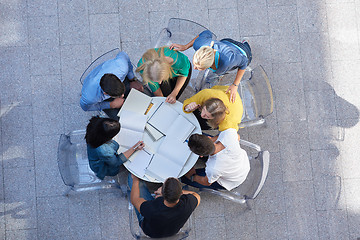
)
(136, 101)
(180, 129)
(132, 126)
(139, 162)
(169, 159)
(163, 117)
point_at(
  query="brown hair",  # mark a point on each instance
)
(155, 67)
(171, 190)
(201, 145)
(218, 111)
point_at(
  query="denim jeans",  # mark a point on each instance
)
(144, 193)
(201, 172)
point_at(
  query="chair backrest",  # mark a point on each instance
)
(257, 97)
(182, 31)
(106, 56)
(74, 165)
(250, 188)
(137, 233)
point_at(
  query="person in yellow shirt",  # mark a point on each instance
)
(213, 109)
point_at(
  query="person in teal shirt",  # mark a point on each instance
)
(167, 72)
(102, 150)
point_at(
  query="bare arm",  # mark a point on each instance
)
(179, 83)
(138, 146)
(180, 47)
(234, 87)
(158, 93)
(135, 198)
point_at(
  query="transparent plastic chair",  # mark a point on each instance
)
(255, 92)
(182, 31)
(75, 170)
(251, 187)
(137, 233)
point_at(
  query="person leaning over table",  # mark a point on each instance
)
(102, 150)
(166, 214)
(166, 71)
(227, 165)
(106, 86)
(213, 108)
(219, 56)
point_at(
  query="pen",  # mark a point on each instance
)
(138, 145)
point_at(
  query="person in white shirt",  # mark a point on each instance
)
(227, 166)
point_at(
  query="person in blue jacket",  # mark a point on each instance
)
(219, 56)
(102, 150)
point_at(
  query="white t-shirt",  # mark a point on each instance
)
(230, 166)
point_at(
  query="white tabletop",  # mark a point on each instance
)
(154, 145)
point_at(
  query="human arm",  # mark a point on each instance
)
(198, 98)
(138, 146)
(180, 47)
(86, 106)
(179, 83)
(191, 174)
(135, 198)
(233, 88)
(117, 102)
(191, 107)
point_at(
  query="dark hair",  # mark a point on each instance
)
(201, 145)
(171, 190)
(112, 85)
(101, 130)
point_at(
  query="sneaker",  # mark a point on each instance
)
(245, 40)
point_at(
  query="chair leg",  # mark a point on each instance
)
(66, 193)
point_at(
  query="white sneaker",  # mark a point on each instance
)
(245, 40)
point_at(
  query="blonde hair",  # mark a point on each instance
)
(155, 67)
(218, 111)
(204, 57)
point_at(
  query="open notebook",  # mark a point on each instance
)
(136, 101)
(169, 159)
(132, 126)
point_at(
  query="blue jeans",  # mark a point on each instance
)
(144, 193)
(201, 172)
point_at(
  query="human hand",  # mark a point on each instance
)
(117, 102)
(158, 192)
(137, 85)
(171, 98)
(177, 47)
(139, 145)
(191, 107)
(233, 90)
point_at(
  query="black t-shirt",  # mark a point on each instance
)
(162, 221)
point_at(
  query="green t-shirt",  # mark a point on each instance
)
(180, 66)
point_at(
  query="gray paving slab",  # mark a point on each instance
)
(283, 20)
(285, 81)
(43, 30)
(29, 234)
(240, 225)
(320, 104)
(2, 219)
(278, 3)
(285, 48)
(353, 221)
(197, 13)
(210, 228)
(108, 6)
(213, 4)
(332, 224)
(229, 15)
(42, 7)
(45, 59)
(104, 32)
(312, 19)
(323, 133)
(159, 20)
(271, 226)
(251, 25)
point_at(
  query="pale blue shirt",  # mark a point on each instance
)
(92, 96)
(230, 56)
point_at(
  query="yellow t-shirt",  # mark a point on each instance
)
(233, 118)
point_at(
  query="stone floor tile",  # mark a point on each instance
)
(271, 226)
(73, 22)
(213, 4)
(46, 90)
(242, 226)
(260, 50)
(43, 30)
(209, 201)
(343, 31)
(211, 228)
(347, 102)
(73, 55)
(82, 232)
(48, 179)
(76, 118)
(228, 15)
(320, 104)
(312, 18)
(2, 219)
(197, 13)
(159, 20)
(253, 20)
(48, 120)
(352, 194)
(301, 218)
(29, 234)
(17, 137)
(42, 7)
(324, 133)
(284, 79)
(84, 209)
(283, 20)
(108, 6)
(14, 27)
(291, 107)
(129, 31)
(135, 50)
(107, 31)
(293, 132)
(353, 221)
(45, 59)
(344, 72)
(276, 3)
(333, 225)
(163, 5)
(242, 3)
(53, 217)
(285, 48)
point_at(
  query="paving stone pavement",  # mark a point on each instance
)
(309, 48)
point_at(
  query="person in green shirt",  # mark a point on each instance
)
(167, 72)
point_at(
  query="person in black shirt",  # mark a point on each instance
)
(166, 214)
